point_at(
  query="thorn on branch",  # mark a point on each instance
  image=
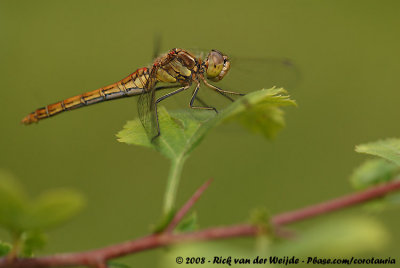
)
(185, 209)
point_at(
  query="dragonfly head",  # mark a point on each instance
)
(217, 65)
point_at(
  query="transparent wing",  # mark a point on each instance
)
(249, 74)
(253, 73)
(245, 75)
(147, 112)
(157, 44)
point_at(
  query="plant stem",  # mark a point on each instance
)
(172, 184)
(16, 246)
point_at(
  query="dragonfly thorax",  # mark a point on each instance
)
(176, 66)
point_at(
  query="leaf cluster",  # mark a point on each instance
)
(26, 219)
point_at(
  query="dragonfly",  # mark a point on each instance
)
(179, 69)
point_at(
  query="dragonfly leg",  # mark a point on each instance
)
(163, 98)
(205, 104)
(167, 87)
(224, 93)
(194, 96)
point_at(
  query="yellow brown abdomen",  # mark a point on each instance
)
(131, 85)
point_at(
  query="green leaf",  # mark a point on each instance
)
(388, 149)
(177, 132)
(134, 133)
(376, 171)
(188, 224)
(261, 112)
(373, 172)
(12, 202)
(339, 237)
(32, 241)
(18, 213)
(53, 208)
(5, 248)
(182, 131)
(25, 219)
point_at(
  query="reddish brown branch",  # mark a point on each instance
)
(93, 257)
(97, 258)
(335, 204)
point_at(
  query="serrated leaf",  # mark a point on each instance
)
(188, 224)
(388, 149)
(133, 133)
(265, 116)
(177, 130)
(373, 172)
(339, 237)
(53, 208)
(5, 248)
(32, 241)
(182, 131)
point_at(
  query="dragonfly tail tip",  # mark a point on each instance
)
(29, 119)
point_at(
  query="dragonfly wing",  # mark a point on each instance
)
(249, 74)
(157, 42)
(252, 73)
(148, 113)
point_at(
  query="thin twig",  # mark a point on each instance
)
(189, 204)
(335, 204)
(92, 258)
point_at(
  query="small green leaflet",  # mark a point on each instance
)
(372, 172)
(388, 149)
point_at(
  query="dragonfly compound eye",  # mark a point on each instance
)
(217, 65)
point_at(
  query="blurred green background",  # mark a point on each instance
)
(348, 56)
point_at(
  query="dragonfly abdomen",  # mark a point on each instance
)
(131, 85)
